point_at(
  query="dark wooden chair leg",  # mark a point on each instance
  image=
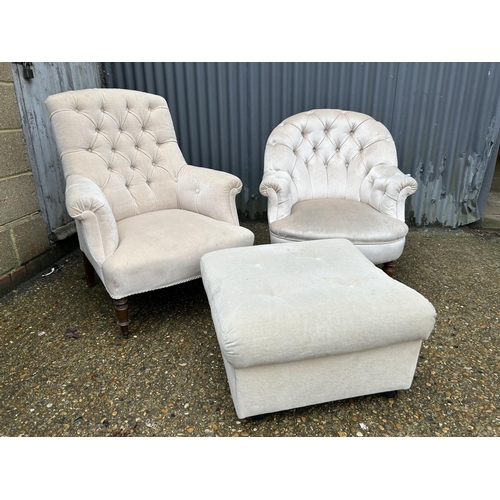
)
(121, 305)
(121, 308)
(89, 271)
(389, 268)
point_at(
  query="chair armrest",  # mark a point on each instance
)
(275, 186)
(209, 192)
(86, 203)
(389, 189)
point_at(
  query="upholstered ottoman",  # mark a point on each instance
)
(310, 322)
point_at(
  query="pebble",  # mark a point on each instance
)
(168, 379)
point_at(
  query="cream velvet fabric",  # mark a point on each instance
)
(172, 243)
(335, 155)
(339, 218)
(280, 303)
(261, 389)
(124, 141)
(143, 215)
(303, 323)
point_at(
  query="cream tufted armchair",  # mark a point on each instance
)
(330, 173)
(144, 217)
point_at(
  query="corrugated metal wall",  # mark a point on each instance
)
(443, 116)
(446, 127)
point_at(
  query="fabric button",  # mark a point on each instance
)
(197, 191)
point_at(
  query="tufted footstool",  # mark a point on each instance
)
(310, 322)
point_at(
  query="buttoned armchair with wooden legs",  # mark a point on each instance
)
(144, 217)
(330, 173)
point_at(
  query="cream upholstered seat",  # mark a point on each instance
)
(315, 321)
(330, 173)
(144, 217)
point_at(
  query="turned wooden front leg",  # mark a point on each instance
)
(121, 308)
(389, 268)
(89, 271)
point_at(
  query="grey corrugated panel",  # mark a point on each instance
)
(224, 112)
(444, 118)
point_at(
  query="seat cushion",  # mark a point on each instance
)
(338, 218)
(164, 248)
(283, 303)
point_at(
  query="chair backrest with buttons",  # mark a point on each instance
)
(124, 141)
(329, 153)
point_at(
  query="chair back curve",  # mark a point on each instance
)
(329, 153)
(124, 141)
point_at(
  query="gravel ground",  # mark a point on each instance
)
(65, 369)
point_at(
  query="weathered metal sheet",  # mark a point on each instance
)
(446, 126)
(444, 118)
(49, 78)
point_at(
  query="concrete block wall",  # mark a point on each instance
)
(25, 248)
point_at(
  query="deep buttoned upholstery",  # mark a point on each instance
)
(144, 217)
(330, 173)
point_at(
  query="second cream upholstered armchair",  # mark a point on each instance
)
(144, 217)
(330, 173)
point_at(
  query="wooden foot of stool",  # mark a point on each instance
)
(389, 394)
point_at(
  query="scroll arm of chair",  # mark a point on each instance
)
(209, 192)
(390, 189)
(86, 203)
(275, 186)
